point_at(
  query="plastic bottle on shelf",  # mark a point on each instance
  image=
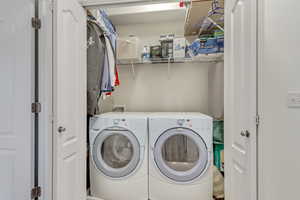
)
(146, 53)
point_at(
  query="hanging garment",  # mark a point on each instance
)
(106, 23)
(107, 27)
(109, 73)
(112, 61)
(111, 44)
(106, 85)
(95, 64)
(117, 83)
(109, 77)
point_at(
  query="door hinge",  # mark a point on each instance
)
(36, 192)
(36, 23)
(36, 107)
(257, 119)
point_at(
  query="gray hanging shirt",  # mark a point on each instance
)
(95, 63)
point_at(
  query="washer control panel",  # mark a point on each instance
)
(185, 122)
(120, 122)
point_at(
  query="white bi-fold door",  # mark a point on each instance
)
(241, 99)
(16, 88)
(69, 101)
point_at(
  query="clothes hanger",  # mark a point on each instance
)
(215, 17)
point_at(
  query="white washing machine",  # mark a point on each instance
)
(180, 156)
(119, 156)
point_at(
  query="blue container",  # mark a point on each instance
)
(219, 35)
(208, 46)
(194, 47)
(220, 43)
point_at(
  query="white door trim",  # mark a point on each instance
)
(46, 68)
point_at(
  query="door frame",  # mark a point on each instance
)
(46, 93)
(261, 16)
(35, 106)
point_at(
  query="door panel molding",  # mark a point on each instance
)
(17, 92)
(69, 101)
(240, 99)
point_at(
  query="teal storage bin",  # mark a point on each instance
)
(219, 156)
(218, 131)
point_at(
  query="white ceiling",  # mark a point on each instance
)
(120, 3)
(141, 14)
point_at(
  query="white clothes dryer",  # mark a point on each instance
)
(180, 156)
(119, 156)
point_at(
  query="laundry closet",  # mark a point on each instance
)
(168, 87)
(155, 95)
(153, 122)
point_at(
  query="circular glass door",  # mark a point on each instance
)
(116, 153)
(181, 154)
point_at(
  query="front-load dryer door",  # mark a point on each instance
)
(181, 155)
(116, 153)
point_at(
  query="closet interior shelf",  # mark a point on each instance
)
(203, 58)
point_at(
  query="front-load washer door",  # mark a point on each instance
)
(181, 155)
(116, 153)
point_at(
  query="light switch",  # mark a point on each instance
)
(294, 99)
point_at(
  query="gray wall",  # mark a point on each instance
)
(152, 90)
(279, 74)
